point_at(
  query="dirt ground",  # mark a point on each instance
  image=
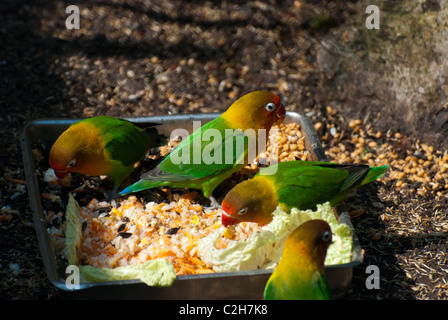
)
(376, 95)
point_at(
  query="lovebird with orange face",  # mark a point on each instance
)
(296, 184)
(187, 166)
(101, 145)
(300, 274)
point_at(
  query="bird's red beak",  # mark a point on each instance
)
(227, 219)
(60, 171)
(281, 113)
(61, 174)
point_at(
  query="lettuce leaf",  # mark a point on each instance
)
(156, 273)
(73, 231)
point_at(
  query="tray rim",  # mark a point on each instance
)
(312, 145)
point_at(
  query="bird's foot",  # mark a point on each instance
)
(111, 196)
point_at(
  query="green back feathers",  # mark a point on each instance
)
(124, 141)
(110, 146)
(211, 154)
(184, 162)
(358, 175)
(303, 184)
(184, 167)
(374, 173)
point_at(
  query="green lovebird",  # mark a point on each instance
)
(207, 157)
(101, 145)
(300, 274)
(296, 184)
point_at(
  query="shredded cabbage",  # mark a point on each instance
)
(263, 250)
(157, 273)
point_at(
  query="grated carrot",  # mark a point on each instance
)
(149, 234)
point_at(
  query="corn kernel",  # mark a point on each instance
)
(195, 220)
(116, 212)
(228, 233)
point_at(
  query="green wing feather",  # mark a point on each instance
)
(179, 169)
(170, 170)
(374, 173)
(303, 184)
(124, 141)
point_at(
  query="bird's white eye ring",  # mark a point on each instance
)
(270, 106)
(242, 211)
(71, 163)
(326, 236)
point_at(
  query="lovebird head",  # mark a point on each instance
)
(313, 238)
(64, 157)
(80, 150)
(256, 110)
(252, 200)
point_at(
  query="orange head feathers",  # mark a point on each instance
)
(258, 110)
(79, 149)
(311, 238)
(100, 145)
(251, 200)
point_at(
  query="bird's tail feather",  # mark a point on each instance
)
(158, 139)
(141, 185)
(374, 173)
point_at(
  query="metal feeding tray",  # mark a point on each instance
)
(230, 285)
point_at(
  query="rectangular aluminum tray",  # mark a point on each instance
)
(232, 285)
